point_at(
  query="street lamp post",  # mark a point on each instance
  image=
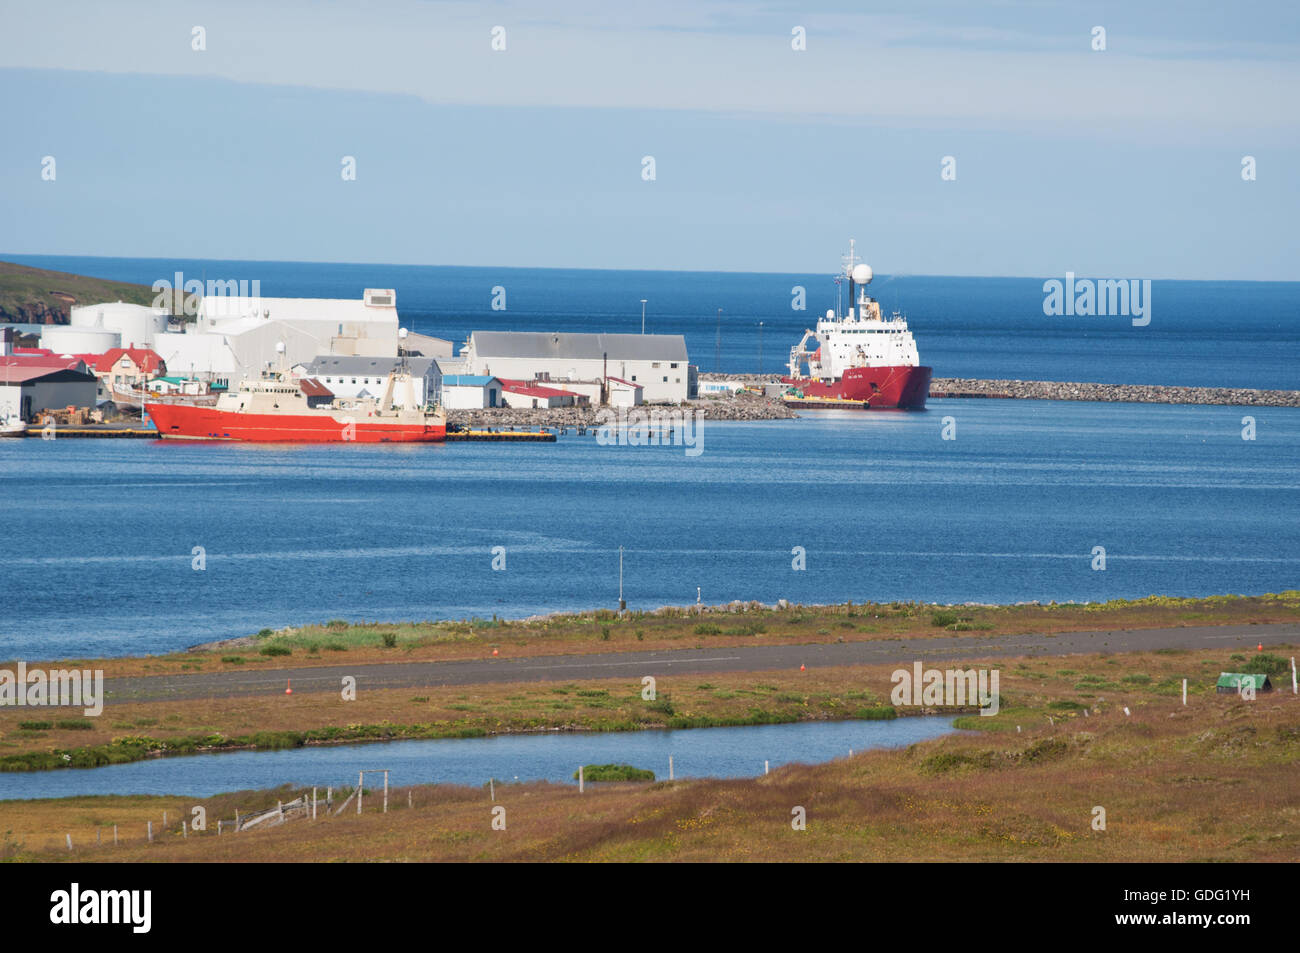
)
(643, 301)
(760, 347)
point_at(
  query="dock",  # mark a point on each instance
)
(516, 436)
(139, 433)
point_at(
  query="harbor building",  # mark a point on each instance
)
(531, 394)
(657, 363)
(28, 387)
(348, 376)
(470, 392)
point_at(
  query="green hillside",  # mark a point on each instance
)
(36, 296)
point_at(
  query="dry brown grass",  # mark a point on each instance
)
(1217, 780)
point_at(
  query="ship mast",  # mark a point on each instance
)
(849, 261)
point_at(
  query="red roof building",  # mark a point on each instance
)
(139, 359)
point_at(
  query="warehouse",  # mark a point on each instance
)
(349, 377)
(27, 389)
(657, 363)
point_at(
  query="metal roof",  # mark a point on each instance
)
(467, 380)
(345, 364)
(1234, 681)
(564, 345)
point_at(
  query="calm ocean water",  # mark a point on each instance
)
(97, 534)
(1207, 333)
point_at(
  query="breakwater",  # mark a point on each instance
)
(1081, 390)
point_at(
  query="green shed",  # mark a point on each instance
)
(1230, 682)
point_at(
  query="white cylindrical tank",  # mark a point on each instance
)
(136, 324)
(66, 339)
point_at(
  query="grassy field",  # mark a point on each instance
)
(340, 642)
(131, 731)
(1217, 780)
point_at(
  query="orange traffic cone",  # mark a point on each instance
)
(1260, 647)
(801, 668)
(289, 689)
(494, 651)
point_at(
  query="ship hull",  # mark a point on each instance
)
(868, 388)
(192, 422)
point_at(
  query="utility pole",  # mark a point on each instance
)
(760, 347)
(643, 300)
(717, 346)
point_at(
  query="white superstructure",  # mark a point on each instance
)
(862, 337)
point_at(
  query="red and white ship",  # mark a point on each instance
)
(862, 359)
(278, 410)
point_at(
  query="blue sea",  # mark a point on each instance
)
(1202, 333)
(99, 535)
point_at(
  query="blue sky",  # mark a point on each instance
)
(1119, 163)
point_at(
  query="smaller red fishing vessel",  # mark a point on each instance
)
(277, 410)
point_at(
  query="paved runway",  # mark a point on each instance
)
(634, 665)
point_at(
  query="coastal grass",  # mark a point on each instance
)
(357, 642)
(1217, 781)
(1034, 692)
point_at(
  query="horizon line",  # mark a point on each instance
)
(4, 257)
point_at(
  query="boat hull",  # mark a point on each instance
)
(192, 422)
(870, 388)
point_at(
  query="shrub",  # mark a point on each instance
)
(275, 650)
(75, 724)
(614, 772)
(233, 659)
(263, 633)
(662, 704)
(707, 628)
(1265, 664)
(389, 639)
(1137, 679)
(604, 633)
(944, 619)
(335, 647)
(35, 725)
(880, 713)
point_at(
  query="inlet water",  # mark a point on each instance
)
(550, 756)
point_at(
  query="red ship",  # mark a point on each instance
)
(278, 411)
(862, 360)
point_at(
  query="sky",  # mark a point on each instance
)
(1125, 161)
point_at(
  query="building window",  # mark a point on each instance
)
(633, 377)
(673, 366)
(665, 380)
(655, 364)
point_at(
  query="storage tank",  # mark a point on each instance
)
(135, 324)
(66, 339)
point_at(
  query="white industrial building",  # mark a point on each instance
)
(235, 336)
(470, 392)
(349, 377)
(656, 362)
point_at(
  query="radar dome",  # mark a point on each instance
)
(862, 274)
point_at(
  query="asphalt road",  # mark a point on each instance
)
(634, 665)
